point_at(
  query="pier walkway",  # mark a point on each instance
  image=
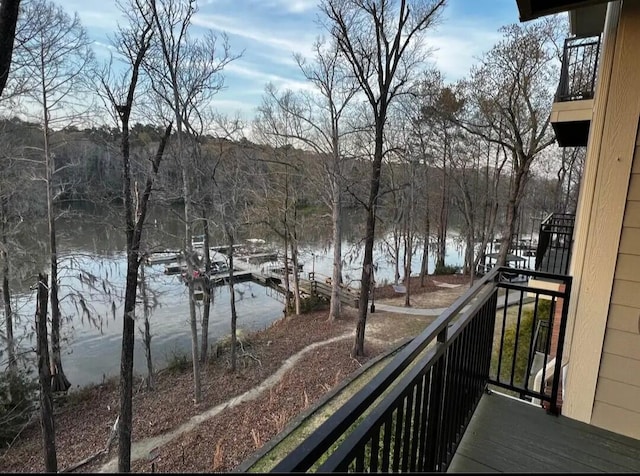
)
(253, 267)
(308, 287)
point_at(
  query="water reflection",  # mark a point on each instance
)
(92, 277)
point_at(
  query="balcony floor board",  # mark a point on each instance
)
(507, 435)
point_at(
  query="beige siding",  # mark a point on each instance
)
(630, 240)
(626, 293)
(617, 400)
(616, 419)
(601, 212)
(624, 344)
(620, 369)
(628, 267)
(632, 215)
(634, 187)
(624, 318)
(618, 394)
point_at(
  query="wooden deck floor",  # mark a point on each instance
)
(506, 435)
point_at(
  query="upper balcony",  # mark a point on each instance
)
(586, 17)
(553, 253)
(573, 105)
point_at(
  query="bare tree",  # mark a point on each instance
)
(9, 10)
(319, 124)
(408, 191)
(276, 125)
(186, 73)
(207, 160)
(132, 43)
(57, 55)
(446, 136)
(15, 184)
(231, 186)
(146, 332)
(380, 39)
(507, 102)
(465, 173)
(7, 226)
(47, 422)
(421, 145)
(568, 173)
(227, 208)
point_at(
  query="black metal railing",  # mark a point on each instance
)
(522, 351)
(541, 337)
(412, 415)
(555, 239)
(579, 68)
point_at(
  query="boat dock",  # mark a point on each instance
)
(348, 296)
(247, 267)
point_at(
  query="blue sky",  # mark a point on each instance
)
(270, 31)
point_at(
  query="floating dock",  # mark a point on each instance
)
(247, 268)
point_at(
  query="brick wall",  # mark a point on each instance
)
(555, 332)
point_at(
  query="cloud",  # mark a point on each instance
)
(288, 6)
(296, 41)
(232, 106)
(261, 78)
(101, 15)
(295, 6)
(270, 31)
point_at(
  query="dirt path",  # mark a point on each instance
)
(378, 331)
(141, 449)
(434, 300)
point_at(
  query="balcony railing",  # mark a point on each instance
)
(579, 68)
(555, 239)
(412, 415)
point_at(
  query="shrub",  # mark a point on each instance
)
(178, 362)
(446, 269)
(17, 402)
(310, 303)
(525, 335)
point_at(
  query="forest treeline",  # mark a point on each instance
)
(379, 131)
(91, 171)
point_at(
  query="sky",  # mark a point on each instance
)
(269, 32)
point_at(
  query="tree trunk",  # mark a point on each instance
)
(408, 253)
(409, 235)
(513, 206)
(125, 426)
(59, 380)
(133, 234)
(336, 217)
(8, 316)
(147, 348)
(8, 19)
(6, 299)
(424, 268)
(396, 255)
(232, 301)
(444, 211)
(370, 227)
(206, 289)
(285, 273)
(188, 236)
(47, 422)
(296, 274)
(146, 336)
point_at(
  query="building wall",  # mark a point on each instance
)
(603, 360)
(617, 399)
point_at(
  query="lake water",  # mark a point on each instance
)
(93, 268)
